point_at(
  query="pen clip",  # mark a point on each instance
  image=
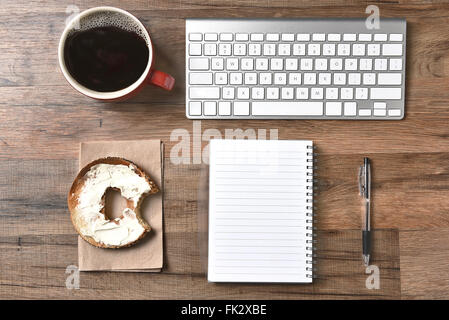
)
(361, 181)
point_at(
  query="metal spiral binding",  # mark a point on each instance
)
(310, 213)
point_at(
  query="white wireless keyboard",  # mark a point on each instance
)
(295, 69)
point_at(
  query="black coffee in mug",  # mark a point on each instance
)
(106, 58)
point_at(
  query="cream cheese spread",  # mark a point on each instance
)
(95, 224)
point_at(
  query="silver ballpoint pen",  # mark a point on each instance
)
(365, 192)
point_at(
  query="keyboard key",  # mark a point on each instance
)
(374, 49)
(369, 78)
(302, 93)
(273, 93)
(380, 37)
(228, 93)
(303, 37)
(257, 37)
(380, 112)
(350, 109)
(320, 64)
(239, 49)
(200, 78)
(366, 64)
(396, 37)
(257, 93)
(365, 37)
(235, 78)
(394, 112)
(361, 93)
(224, 49)
(204, 92)
(291, 64)
(250, 78)
(265, 78)
(364, 112)
(313, 49)
(232, 64)
(385, 93)
(195, 49)
(280, 78)
(210, 49)
(294, 78)
(224, 108)
(310, 78)
(319, 37)
(389, 78)
(221, 78)
(284, 49)
(333, 108)
(344, 49)
(392, 49)
(380, 105)
(331, 93)
(324, 78)
(269, 49)
(210, 37)
(217, 64)
(329, 49)
(306, 64)
(254, 49)
(291, 108)
(243, 93)
(395, 64)
(339, 78)
(272, 37)
(199, 63)
(350, 64)
(334, 37)
(288, 37)
(241, 37)
(317, 93)
(226, 37)
(261, 64)
(347, 93)
(195, 37)
(380, 64)
(276, 64)
(299, 49)
(354, 79)
(241, 108)
(349, 37)
(247, 64)
(195, 108)
(358, 49)
(287, 93)
(210, 108)
(336, 64)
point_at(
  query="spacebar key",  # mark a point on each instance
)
(290, 108)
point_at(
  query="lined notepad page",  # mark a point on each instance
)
(258, 211)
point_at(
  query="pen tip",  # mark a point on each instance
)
(366, 260)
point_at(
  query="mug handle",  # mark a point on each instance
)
(161, 79)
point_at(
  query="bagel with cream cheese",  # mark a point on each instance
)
(86, 202)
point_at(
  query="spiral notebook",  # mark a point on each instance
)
(260, 211)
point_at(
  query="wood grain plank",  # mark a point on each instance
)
(424, 271)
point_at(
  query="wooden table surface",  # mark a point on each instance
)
(43, 120)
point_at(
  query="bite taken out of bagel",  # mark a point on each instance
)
(86, 202)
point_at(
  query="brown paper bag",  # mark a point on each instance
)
(147, 254)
